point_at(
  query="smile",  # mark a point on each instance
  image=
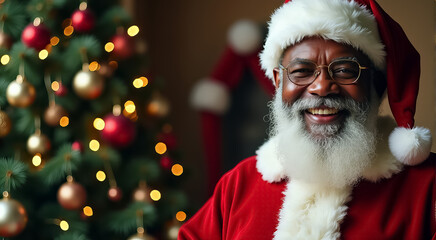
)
(323, 111)
(324, 115)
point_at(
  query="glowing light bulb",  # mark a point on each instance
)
(5, 59)
(68, 31)
(54, 41)
(177, 169)
(133, 30)
(160, 148)
(130, 106)
(181, 216)
(155, 195)
(99, 124)
(87, 210)
(144, 81)
(94, 145)
(109, 47)
(55, 86)
(36, 160)
(64, 225)
(94, 66)
(137, 83)
(101, 176)
(64, 121)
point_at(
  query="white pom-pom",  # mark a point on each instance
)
(245, 37)
(210, 95)
(410, 146)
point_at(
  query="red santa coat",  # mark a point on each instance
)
(245, 206)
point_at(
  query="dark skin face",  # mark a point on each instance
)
(323, 52)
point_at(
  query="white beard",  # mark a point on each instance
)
(339, 158)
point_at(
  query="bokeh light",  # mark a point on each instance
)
(155, 195)
(94, 145)
(5, 59)
(99, 124)
(133, 30)
(181, 216)
(177, 169)
(101, 176)
(64, 121)
(88, 211)
(160, 148)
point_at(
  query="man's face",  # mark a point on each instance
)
(323, 52)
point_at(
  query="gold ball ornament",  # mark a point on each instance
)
(88, 85)
(20, 93)
(38, 143)
(13, 217)
(142, 193)
(53, 114)
(71, 195)
(158, 106)
(5, 124)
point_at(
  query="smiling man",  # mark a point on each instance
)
(332, 168)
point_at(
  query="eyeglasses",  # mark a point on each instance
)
(303, 72)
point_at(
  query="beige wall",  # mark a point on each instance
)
(185, 38)
(418, 21)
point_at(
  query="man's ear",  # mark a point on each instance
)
(277, 77)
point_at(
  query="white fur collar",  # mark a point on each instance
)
(317, 211)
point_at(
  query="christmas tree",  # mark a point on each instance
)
(86, 151)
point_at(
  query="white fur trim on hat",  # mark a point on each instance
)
(410, 146)
(244, 37)
(342, 21)
(210, 95)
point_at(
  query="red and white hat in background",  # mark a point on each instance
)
(212, 95)
(364, 25)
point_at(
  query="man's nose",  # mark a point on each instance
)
(323, 84)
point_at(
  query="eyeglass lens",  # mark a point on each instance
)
(341, 71)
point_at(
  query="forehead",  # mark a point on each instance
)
(322, 51)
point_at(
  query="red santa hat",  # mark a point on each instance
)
(364, 25)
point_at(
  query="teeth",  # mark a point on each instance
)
(324, 111)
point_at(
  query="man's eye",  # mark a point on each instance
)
(302, 72)
(345, 72)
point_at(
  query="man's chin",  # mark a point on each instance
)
(323, 132)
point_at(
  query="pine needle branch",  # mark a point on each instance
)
(13, 173)
(61, 165)
(125, 221)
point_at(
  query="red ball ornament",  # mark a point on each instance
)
(62, 90)
(115, 194)
(83, 20)
(37, 37)
(77, 146)
(71, 195)
(118, 131)
(166, 162)
(123, 46)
